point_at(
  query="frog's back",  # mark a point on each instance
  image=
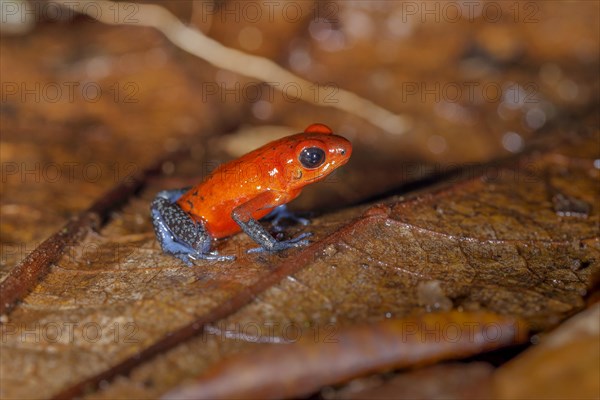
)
(272, 167)
(228, 186)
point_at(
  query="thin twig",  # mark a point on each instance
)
(195, 42)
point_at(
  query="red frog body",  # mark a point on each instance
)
(240, 192)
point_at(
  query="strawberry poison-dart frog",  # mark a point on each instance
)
(240, 192)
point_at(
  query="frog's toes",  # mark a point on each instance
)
(185, 257)
(211, 256)
(298, 241)
(280, 214)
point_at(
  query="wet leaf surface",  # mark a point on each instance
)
(354, 351)
(489, 204)
(365, 264)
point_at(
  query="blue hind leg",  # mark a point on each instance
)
(177, 233)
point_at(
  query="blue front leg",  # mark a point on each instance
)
(177, 233)
(242, 215)
(280, 213)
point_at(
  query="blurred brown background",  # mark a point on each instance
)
(86, 105)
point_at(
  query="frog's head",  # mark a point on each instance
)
(316, 153)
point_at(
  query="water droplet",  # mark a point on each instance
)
(320, 29)
(300, 59)
(431, 296)
(535, 118)
(512, 142)
(330, 250)
(569, 206)
(513, 95)
(504, 111)
(329, 38)
(98, 67)
(358, 24)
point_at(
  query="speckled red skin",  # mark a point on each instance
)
(271, 175)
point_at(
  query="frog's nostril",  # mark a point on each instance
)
(343, 152)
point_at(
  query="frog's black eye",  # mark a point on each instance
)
(311, 157)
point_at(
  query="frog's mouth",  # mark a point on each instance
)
(316, 178)
(328, 170)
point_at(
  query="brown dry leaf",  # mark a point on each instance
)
(563, 366)
(308, 365)
(493, 244)
(444, 381)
